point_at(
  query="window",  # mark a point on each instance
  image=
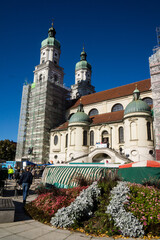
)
(55, 78)
(55, 140)
(84, 138)
(77, 95)
(91, 138)
(66, 140)
(40, 77)
(55, 54)
(105, 138)
(117, 107)
(148, 130)
(121, 135)
(148, 100)
(93, 111)
(55, 62)
(43, 53)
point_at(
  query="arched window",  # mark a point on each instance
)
(77, 94)
(105, 138)
(148, 100)
(93, 111)
(55, 140)
(40, 77)
(92, 138)
(84, 138)
(66, 140)
(55, 78)
(148, 130)
(121, 135)
(117, 107)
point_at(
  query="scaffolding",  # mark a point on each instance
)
(22, 122)
(155, 49)
(45, 109)
(154, 61)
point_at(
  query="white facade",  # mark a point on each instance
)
(134, 144)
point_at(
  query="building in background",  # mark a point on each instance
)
(113, 125)
(43, 104)
(62, 125)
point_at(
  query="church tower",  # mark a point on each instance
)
(43, 104)
(83, 71)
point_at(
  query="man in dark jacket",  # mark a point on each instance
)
(26, 181)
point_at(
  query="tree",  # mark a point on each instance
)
(7, 150)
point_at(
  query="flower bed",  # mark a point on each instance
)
(47, 204)
(125, 221)
(80, 209)
(132, 209)
(144, 203)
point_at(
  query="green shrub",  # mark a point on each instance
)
(152, 182)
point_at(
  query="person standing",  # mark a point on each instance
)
(26, 180)
(10, 173)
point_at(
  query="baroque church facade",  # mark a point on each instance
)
(61, 125)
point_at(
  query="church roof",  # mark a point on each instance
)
(107, 117)
(99, 119)
(117, 92)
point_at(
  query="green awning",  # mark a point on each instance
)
(65, 176)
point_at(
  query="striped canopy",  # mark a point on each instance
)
(66, 176)
(146, 163)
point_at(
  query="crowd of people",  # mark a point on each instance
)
(36, 171)
(25, 177)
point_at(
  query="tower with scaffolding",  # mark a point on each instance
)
(154, 62)
(43, 104)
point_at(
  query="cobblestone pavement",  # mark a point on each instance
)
(24, 228)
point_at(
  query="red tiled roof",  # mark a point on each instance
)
(117, 92)
(62, 126)
(98, 119)
(107, 117)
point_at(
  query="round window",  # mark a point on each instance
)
(55, 140)
(134, 152)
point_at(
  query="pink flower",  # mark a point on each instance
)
(144, 223)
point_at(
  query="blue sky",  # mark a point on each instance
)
(119, 36)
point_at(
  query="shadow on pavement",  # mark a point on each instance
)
(20, 213)
(17, 197)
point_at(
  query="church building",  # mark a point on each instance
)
(63, 125)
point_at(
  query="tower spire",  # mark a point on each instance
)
(51, 31)
(52, 23)
(83, 54)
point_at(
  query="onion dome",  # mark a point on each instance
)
(137, 105)
(80, 116)
(83, 62)
(51, 41)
